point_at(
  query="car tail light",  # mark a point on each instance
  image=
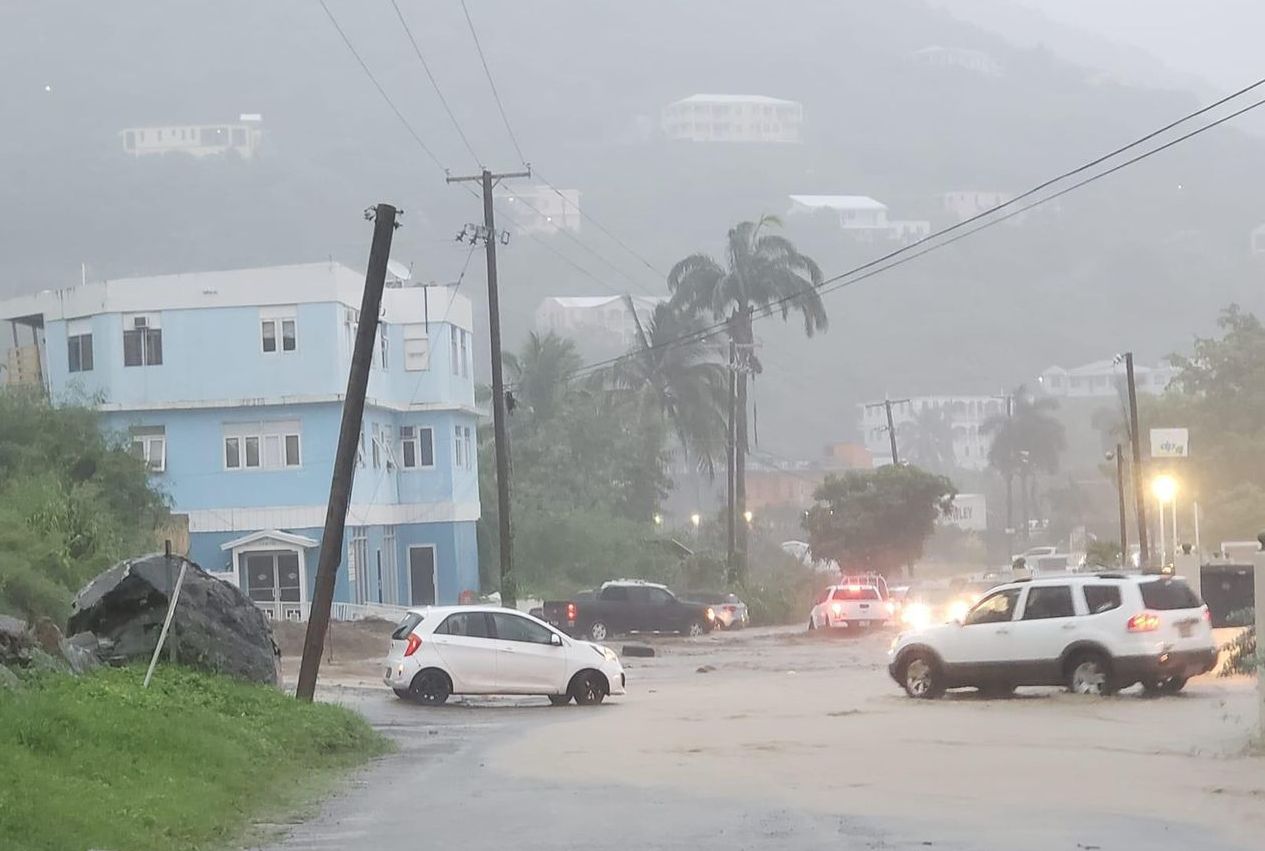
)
(1144, 622)
(413, 643)
(571, 612)
(1207, 615)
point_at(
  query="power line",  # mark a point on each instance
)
(869, 270)
(434, 83)
(378, 86)
(492, 84)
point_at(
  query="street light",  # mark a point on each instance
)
(747, 515)
(1164, 488)
(696, 518)
(658, 520)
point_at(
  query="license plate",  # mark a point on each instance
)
(1185, 629)
(388, 673)
(864, 623)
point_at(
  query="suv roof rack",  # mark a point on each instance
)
(633, 582)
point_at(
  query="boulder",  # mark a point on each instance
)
(9, 680)
(215, 628)
(16, 643)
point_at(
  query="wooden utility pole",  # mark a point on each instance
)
(1139, 487)
(488, 180)
(886, 405)
(1124, 520)
(383, 217)
(731, 506)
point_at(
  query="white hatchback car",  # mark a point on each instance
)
(1094, 633)
(439, 651)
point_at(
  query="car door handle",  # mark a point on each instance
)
(1069, 626)
(1003, 631)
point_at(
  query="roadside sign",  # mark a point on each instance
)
(969, 512)
(1170, 443)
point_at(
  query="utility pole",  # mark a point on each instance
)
(384, 225)
(886, 405)
(1124, 520)
(731, 509)
(509, 592)
(1009, 400)
(1139, 495)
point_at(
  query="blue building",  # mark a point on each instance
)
(230, 385)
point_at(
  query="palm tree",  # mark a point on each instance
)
(542, 372)
(929, 439)
(1027, 440)
(763, 272)
(680, 382)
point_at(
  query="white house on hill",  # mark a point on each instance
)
(733, 118)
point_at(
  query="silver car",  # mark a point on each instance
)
(731, 613)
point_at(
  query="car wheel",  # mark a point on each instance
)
(588, 688)
(696, 629)
(598, 631)
(430, 687)
(920, 675)
(811, 624)
(1167, 685)
(1090, 674)
(402, 693)
(559, 699)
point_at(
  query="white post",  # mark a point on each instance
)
(1177, 542)
(1260, 638)
(1163, 548)
(1198, 549)
(171, 611)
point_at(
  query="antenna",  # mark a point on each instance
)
(399, 271)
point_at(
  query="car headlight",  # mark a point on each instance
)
(711, 613)
(916, 615)
(958, 610)
(610, 654)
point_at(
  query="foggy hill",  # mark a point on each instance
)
(1140, 261)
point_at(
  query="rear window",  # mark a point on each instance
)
(406, 625)
(867, 592)
(1101, 598)
(1166, 594)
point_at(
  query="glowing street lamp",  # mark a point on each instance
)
(696, 518)
(747, 515)
(1164, 489)
(658, 520)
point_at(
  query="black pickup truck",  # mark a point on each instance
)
(628, 607)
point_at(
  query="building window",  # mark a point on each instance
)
(142, 340)
(262, 445)
(465, 354)
(461, 439)
(149, 444)
(79, 352)
(278, 329)
(351, 320)
(417, 447)
(383, 346)
(453, 352)
(416, 348)
(376, 446)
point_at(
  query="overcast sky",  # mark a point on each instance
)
(1219, 40)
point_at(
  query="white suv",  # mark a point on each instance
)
(1094, 633)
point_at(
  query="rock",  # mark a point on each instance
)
(82, 655)
(47, 662)
(9, 680)
(215, 628)
(705, 669)
(15, 643)
(47, 635)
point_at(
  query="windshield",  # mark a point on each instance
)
(1167, 594)
(854, 592)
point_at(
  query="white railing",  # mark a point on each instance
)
(298, 612)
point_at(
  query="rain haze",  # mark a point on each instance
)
(921, 297)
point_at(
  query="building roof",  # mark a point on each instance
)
(1099, 367)
(301, 283)
(587, 301)
(838, 202)
(703, 98)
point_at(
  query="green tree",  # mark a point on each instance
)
(763, 273)
(877, 520)
(928, 440)
(1025, 442)
(73, 500)
(674, 376)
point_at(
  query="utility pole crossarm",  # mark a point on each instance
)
(478, 178)
(886, 405)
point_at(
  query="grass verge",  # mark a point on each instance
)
(98, 762)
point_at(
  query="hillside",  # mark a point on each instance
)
(1140, 261)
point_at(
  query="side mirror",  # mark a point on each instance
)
(555, 639)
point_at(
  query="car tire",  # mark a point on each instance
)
(696, 629)
(598, 631)
(559, 699)
(1165, 686)
(1089, 673)
(402, 693)
(588, 688)
(431, 687)
(921, 677)
(811, 624)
